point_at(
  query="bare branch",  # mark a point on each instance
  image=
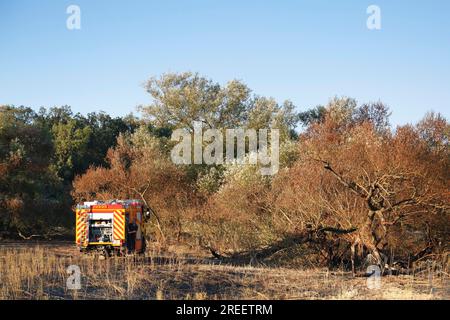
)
(29, 237)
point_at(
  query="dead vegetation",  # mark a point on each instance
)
(40, 272)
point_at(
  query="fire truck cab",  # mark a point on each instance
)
(111, 227)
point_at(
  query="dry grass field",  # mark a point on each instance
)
(40, 272)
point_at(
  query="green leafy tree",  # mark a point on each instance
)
(180, 99)
(30, 193)
(71, 146)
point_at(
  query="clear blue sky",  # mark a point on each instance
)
(305, 51)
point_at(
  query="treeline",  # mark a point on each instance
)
(40, 154)
(349, 185)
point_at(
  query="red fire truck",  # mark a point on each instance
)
(111, 227)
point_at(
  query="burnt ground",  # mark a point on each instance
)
(38, 270)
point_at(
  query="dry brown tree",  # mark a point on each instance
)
(371, 188)
(137, 169)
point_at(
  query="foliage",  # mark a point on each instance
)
(349, 185)
(40, 153)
